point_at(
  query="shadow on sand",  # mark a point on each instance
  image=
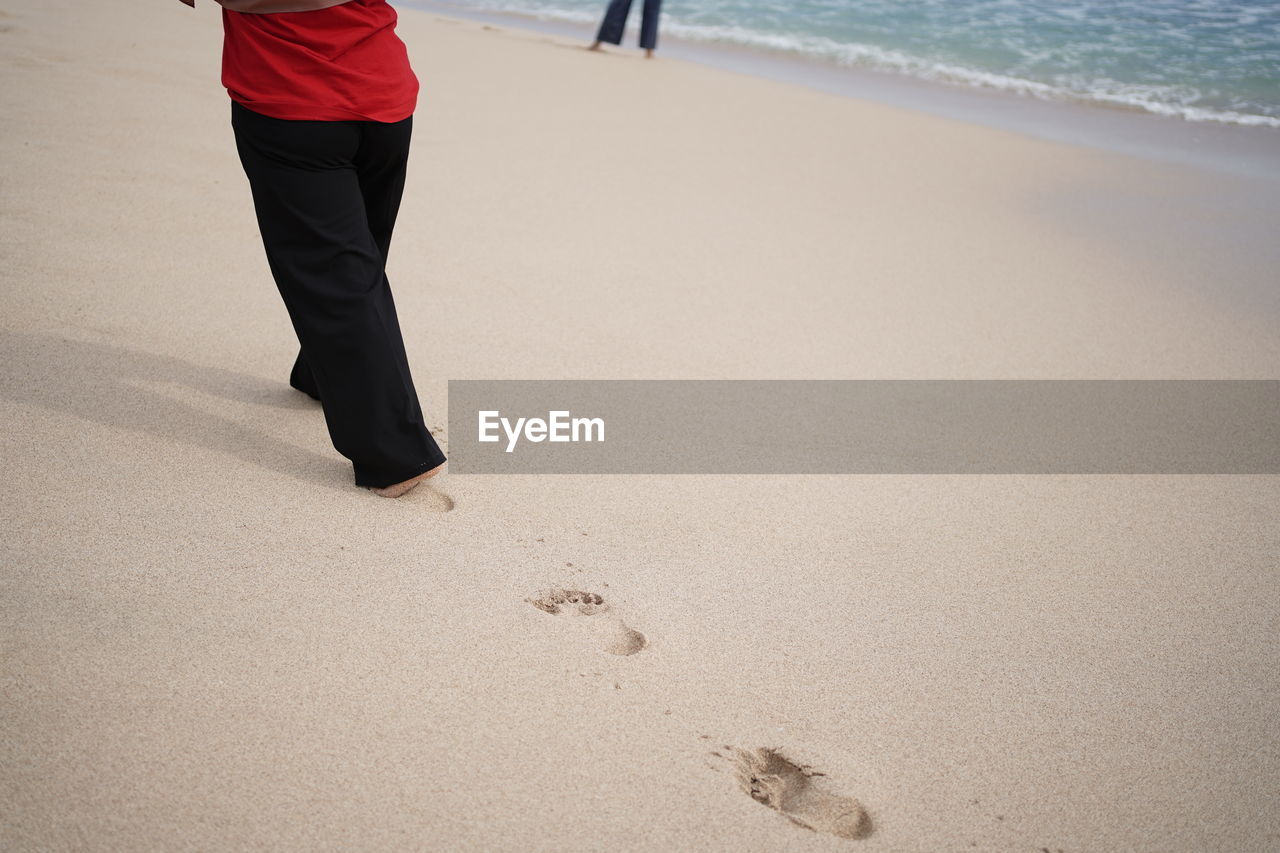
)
(108, 385)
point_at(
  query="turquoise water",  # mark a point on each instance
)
(1199, 60)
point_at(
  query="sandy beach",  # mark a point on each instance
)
(213, 640)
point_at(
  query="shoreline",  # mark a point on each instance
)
(1251, 152)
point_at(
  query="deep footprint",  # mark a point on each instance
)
(615, 636)
(788, 788)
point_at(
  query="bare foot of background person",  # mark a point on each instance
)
(594, 46)
(648, 54)
(395, 491)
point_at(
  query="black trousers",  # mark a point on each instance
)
(615, 21)
(326, 195)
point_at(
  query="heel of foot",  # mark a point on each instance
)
(397, 489)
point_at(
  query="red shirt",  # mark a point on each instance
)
(343, 63)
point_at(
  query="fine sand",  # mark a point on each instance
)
(213, 640)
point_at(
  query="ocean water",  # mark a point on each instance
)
(1198, 60)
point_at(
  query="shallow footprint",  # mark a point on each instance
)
(431, 498)
(616, 636)
(786, 787)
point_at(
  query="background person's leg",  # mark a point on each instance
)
(649, 24)
(614, 22)
(329, 269)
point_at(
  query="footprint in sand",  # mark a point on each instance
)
(430, 498)
(614, 635)
(790, 789)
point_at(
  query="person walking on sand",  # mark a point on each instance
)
(615, 21)
(322, 102)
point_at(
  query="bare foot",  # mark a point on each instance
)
(595, 45)
(399, 489)
(648, 54)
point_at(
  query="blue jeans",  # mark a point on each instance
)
(615, 21)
